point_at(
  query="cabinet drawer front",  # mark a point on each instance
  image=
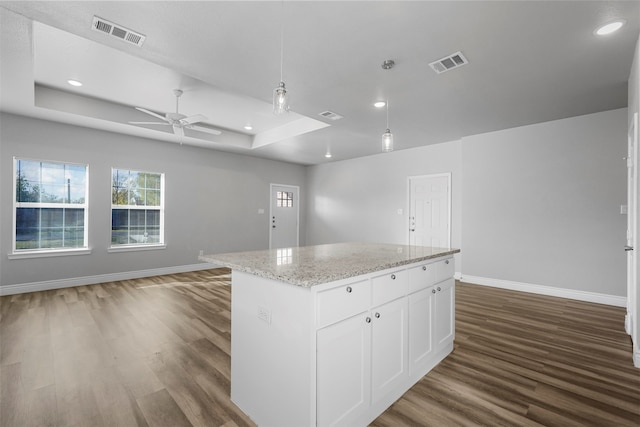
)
(422, 277)
(445, 269)
(389, 286)
(342, 302)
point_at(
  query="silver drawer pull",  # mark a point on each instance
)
(424, 268)
(393, 277)
(439, 289)
(433, 291)
(377, 315)
(368, 320)
(446, 262)
(349, 289)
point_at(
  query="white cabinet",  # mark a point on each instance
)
(420, 330)
(342, 370)
(388, 348)
(339, 353)
(444, 313)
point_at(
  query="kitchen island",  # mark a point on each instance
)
(334, 334)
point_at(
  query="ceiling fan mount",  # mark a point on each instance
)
(179, 122)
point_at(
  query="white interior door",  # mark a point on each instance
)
(430, 210)
(284, 215)
(632, 232)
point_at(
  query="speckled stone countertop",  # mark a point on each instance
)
(313, 265)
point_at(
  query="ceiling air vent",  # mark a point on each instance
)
(118, 31)
(449, 63)
(331, 115)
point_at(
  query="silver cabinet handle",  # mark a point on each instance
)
(393, 277)
(377, 315)
(368, 320)
(349, 289)
(628, 248)
(439, 289)
(424, 268)
(446, 262)
(433, 291)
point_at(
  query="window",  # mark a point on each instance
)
(137, 208)
(284, 199)
(50, 206)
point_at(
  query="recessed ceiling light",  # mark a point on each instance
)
(609, 28)
(248, 127)
(379, 104)
(74, 83)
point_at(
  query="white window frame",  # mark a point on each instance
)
(49, 252)
(137, 246)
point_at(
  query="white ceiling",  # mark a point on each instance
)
(529, 62)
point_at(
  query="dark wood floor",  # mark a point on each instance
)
(155, 352)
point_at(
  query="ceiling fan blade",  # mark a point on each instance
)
(193, 119)
(149, 123)
(151, 113)
(204, 129)
(178, 130)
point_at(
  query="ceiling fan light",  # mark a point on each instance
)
(387, 141)
(280, 100)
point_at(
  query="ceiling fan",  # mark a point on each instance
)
(178, 121)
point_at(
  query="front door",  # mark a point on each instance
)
(285, 209)
(430, 210)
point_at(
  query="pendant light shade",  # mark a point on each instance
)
(280, 100)
(387, 141)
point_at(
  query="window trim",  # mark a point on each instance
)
(49, 252)
(139, 246)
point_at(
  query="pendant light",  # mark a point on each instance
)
(280, 96)
(387, 136)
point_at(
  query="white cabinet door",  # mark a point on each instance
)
(444, 312)
(343, 372)
(389, 347)
(420, 329)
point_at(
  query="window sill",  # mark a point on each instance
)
(132, 248)
(47, 254)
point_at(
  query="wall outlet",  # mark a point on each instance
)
(261, 211)
(399, 211)
(264, 314)
(201, 252)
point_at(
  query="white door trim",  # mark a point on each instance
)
(297, 210)
(433, 175)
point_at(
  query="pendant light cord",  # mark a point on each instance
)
(281, 38)
(387, 113)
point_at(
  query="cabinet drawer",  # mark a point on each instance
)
(422, 277)
(444, 269)
(344, 301)
(388, 287)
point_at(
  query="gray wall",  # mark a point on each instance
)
(542, 203)
(358, 200)
(537, 204)
(212, 198)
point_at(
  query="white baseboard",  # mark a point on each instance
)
(545, 290)
(21, 288)
(636, 359)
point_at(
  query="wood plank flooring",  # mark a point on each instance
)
(156, 352)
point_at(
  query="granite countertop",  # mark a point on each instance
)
(313, 265)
